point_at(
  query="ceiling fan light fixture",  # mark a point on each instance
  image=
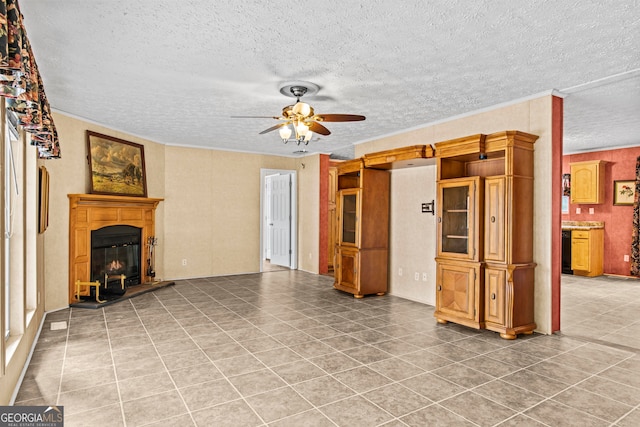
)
(300, 118)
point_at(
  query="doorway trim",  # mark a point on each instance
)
(294, 214)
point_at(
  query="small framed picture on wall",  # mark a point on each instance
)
(624, 192)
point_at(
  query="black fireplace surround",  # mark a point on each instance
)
(115, 251)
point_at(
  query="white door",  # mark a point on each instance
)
(267, 219)
(281, 220)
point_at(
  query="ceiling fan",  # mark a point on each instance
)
(300, 119)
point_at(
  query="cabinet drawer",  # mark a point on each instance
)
(580, 234)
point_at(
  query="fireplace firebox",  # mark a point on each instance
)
(116, 257)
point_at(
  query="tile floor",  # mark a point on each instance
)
(285, 349)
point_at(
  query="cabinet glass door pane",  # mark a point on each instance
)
(455, 219)
(349, 218)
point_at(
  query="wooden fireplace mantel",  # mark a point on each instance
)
(88, 212)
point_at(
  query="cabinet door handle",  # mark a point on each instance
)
(439, 219)
(493, 296)
(493, 219)
(439, 288)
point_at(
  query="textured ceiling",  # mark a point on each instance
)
(176, 71)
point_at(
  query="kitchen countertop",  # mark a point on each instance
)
(581, 225)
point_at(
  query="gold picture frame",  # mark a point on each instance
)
(117, 166)
(624, 192)
(43, 200)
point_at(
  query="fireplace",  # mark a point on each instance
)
(107, 236)
(115, 251)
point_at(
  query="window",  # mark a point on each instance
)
(18, 263)
(11, 194)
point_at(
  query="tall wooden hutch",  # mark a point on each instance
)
(362, 223)
(485, 268)
(363, 229)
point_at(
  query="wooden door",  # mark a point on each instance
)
(494, 285)
(494, 220)
(456, 290)
(347, 268)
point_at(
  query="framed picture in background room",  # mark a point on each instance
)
(624, 192)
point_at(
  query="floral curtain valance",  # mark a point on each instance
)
(21, 84)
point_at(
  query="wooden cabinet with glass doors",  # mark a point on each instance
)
(485, 269)
(363, 229)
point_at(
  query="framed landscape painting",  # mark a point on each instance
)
(116, 165)
(624, 192)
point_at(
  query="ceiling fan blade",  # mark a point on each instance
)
(338, 117)
(272, 128)
(318, 128)
(255, 117)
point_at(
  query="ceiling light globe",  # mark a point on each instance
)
(302, 109)
(302, 129)
(285, 132)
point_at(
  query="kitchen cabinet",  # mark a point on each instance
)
(587, 252)
(587, 182)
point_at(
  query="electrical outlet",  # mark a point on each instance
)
(578, 211)
(424, 277)
(400, 271)
(184, 262)
(417, 276)
(591, 211)
(626, 258)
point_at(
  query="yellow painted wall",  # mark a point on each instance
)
(412, 234)
(308, 213)
(415, 251)
(212, 211)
